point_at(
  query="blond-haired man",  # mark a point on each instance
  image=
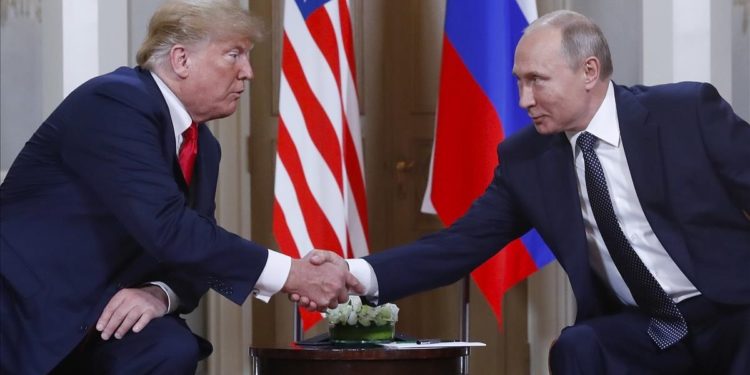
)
(107, 227)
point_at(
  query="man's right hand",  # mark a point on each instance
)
(131, 308)
(320, 280)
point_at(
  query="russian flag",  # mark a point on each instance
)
(477, 108)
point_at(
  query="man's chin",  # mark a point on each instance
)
(542, 129)
(226, 112)
(547, 128)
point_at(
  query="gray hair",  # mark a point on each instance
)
(191, 21)
(581, 38)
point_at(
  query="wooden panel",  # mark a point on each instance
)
(277, 37)
(428, 42)
(267, 319)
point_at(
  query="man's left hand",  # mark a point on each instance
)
(131, 308)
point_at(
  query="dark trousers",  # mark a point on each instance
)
(718, 342)
(165, 346)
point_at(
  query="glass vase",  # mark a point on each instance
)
(346, 334)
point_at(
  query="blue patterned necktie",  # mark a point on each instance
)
(667, 325)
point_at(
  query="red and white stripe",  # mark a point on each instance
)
(320, 200)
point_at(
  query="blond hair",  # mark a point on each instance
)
(191, 21)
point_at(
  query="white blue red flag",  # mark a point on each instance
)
(477, 108)
(319, 190)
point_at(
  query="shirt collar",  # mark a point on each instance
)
(605, 124)
(180, 118)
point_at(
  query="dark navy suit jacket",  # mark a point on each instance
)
(689, 156)
(96, 202)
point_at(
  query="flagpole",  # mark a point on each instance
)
(297, 324)
(464, 308)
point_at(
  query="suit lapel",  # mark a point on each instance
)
(170, 144)
(642, 150)
(641, 142)
(201, 193)
(563, 205)
(168, 140)
(559, 182)
(563, 209)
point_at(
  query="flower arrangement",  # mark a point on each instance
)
(354, 321)
(354, 312)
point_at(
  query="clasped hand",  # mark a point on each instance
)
(320, 280)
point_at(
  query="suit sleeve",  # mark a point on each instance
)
(493, 221)
(187, 287)
(727, 139)
(114, 147)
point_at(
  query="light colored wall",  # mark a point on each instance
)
(139, 12)
(20, 86)
(689, 41)
(47, 49)
(741, 58)
(622, 24)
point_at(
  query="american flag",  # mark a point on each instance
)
(320, 200)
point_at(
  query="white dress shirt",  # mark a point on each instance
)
(606, 127)
(278, 265)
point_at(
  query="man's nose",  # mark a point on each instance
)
(525, 97)
(246, 71)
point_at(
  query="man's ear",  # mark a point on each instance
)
(591, 71)
(178, 60)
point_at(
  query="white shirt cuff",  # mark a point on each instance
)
(273, 277)
(366, 275)
(172, 299)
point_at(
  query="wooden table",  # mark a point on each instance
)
(360, 361)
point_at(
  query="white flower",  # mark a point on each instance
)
(352, 319)
(388, 314)
(353, 312)
(356, 303)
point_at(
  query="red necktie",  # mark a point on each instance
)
(188, 151)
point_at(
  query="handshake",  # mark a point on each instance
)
(321, 280)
